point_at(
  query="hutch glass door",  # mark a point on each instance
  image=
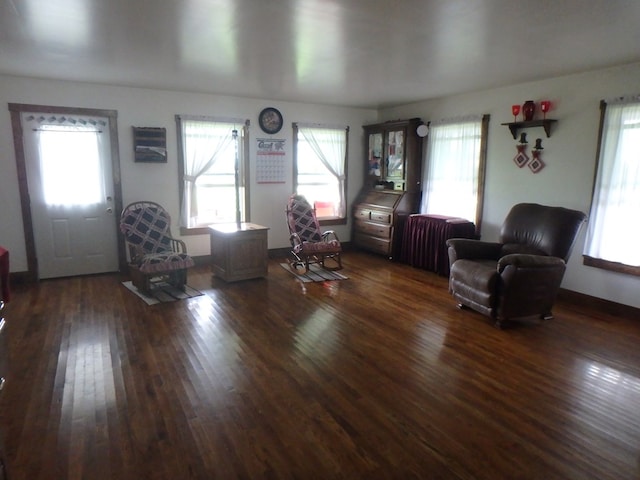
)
(395, 157)
(375, 154)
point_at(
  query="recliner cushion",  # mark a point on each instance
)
(511, 248)
(475, 281)
(552, 230)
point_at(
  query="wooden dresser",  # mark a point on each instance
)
(378, 220)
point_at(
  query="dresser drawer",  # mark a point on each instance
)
(373, 215)
(382, 217)
(374, 244)
(375, 229)
(362, 214)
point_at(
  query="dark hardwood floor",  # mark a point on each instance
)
(378, 376)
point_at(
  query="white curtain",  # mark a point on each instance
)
(452, 168)
(613, 228)
(202, 141)
(330, 147)
(69, 154)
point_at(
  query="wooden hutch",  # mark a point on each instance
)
(393, 183)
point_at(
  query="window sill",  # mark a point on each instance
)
(185, 232)
(332, 221)
(612, 266)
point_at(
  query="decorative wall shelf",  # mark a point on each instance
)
(515, 126)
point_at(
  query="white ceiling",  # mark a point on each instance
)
(365, 53)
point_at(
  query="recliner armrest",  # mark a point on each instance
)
(470, 249)
(529, 261)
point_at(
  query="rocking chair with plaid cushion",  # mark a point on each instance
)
(153, 252)
(309, 244)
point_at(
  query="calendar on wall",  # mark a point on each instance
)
(270, 161)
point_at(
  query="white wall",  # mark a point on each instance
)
(158, 182)
(569, 154)
(566, 180)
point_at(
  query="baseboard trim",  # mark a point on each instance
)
(619, 309)
(601, 304)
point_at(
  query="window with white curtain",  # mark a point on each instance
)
(454, 168)
(613, 229)
(70, 164)
(212, 170)
(320, 159)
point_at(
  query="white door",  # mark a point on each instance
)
(69, 172)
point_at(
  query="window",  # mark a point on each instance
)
(454, 171)
(71, 165)
(212, 171)
(320, 159)
(613, 226)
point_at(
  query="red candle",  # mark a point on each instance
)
(515, 110)
(545, 106)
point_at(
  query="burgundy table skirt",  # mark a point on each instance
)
(424, 240)
(4, 274)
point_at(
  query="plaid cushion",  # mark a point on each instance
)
(302, 219)
(310, 248)
(162, 262)
(147, 227)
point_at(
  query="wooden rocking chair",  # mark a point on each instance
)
(153, 252)
(308, 243)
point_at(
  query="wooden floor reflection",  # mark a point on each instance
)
(377, 376)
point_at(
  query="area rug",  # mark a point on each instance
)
(162, 292)
(315, 274)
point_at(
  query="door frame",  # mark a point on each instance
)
(16, 109)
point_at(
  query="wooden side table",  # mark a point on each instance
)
(239, 251)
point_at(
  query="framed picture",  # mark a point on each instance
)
(150, 144)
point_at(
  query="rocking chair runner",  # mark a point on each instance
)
(309, 244)
(152, 251)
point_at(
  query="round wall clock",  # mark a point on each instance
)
(270, 120)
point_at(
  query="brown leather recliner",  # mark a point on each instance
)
(520, 275)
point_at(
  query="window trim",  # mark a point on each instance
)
(295, 128)
(187, 231)
(482, 167)
(609, 265)
(588, 260)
